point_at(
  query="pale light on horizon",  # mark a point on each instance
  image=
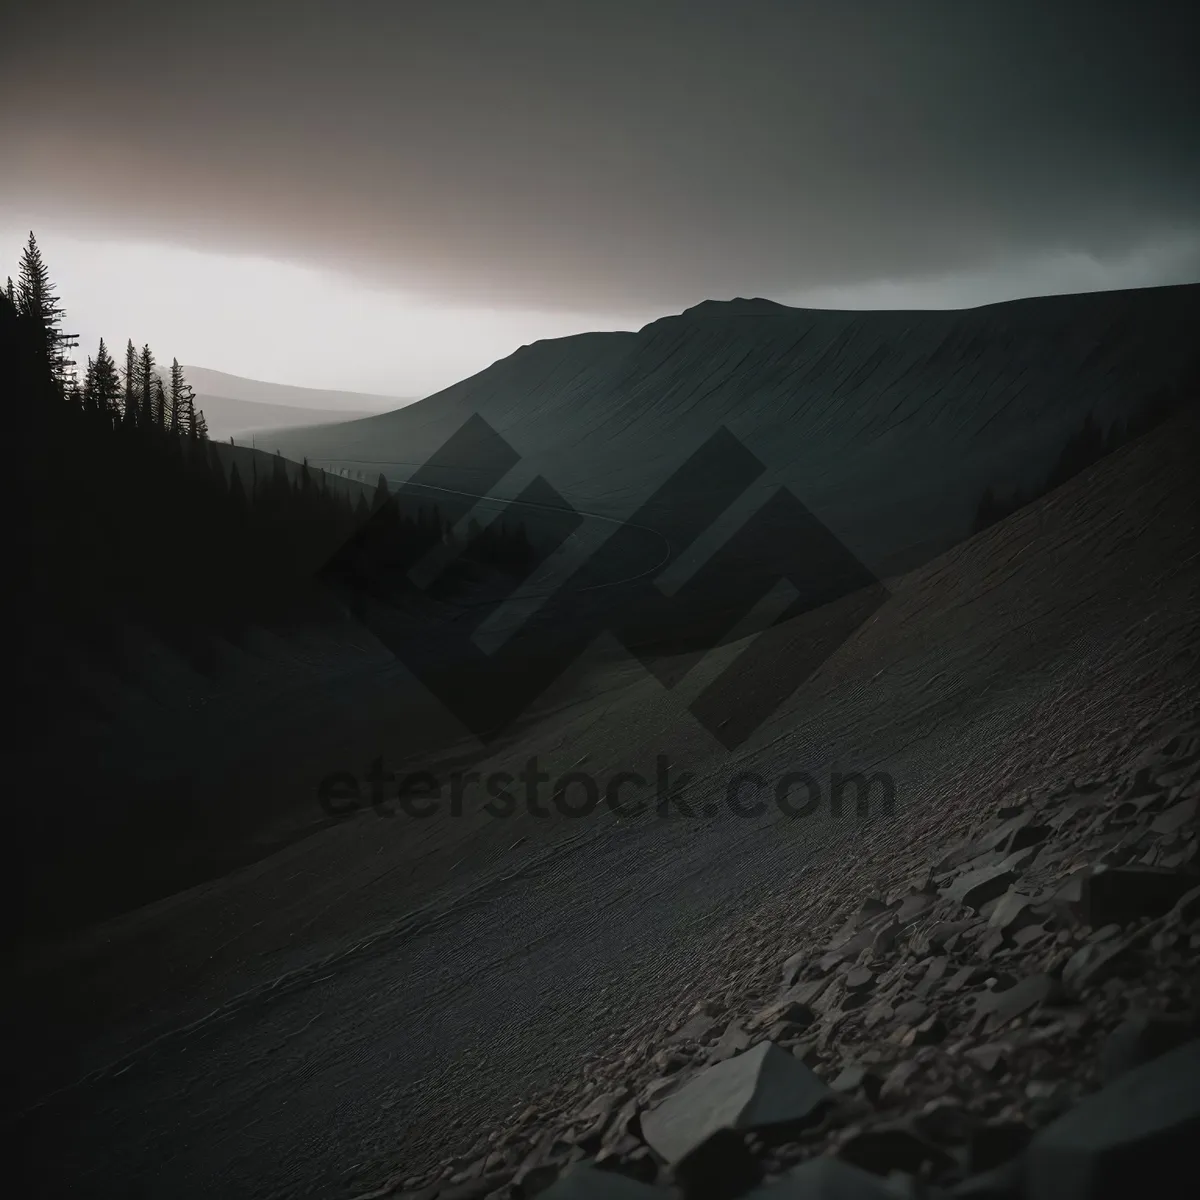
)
(293, 324)
(278, 321)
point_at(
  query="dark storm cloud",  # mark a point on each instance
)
(617, 153)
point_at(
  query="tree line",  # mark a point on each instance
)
(135, 397)
(1087, 445)
(130, 521)
(135, 515)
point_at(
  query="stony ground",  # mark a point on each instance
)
(379, 996)
(928, 1033)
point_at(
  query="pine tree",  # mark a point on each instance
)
(160, 404)
(89, 386)
(145, 380)
(11, 292)
(201, 426)
(37, 302)
(381, 494)
(106, 383)
(187, 412)
(182, 400)
(131, 388)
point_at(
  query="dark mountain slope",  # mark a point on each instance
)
(351, 1029)
(888, 425)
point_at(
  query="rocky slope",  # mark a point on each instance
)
(373, 999)
(943, 1036)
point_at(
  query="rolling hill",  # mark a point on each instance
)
(237, 407)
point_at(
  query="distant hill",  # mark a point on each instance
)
(259, 391)
(237, 407)
(239, 419)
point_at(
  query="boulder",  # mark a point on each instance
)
(1137, 1136)
(764, 1088)
(720, 1168)
(976, 888)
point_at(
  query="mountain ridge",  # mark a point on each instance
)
(889, 425)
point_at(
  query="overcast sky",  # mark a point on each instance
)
(387, 196)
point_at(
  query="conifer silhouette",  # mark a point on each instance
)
(160, 404)
(382, 495)
(182, 401)
(38, 303)
(129, 416)
(145, 382)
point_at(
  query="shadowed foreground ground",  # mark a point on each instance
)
(369, 998)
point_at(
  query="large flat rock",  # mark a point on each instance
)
(1136, 1137)
(762, 1088)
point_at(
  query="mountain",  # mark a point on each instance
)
(236, 407)
(259, 391)
(888, 426)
